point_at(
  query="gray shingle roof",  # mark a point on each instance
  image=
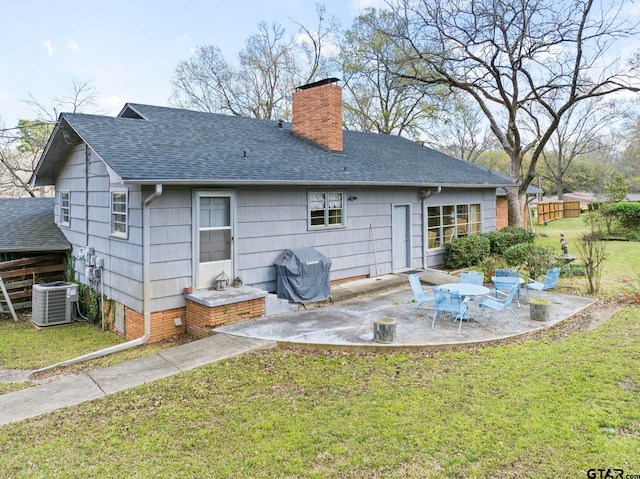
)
(148, 144)
(27, 225)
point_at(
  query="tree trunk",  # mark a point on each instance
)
(515, 204)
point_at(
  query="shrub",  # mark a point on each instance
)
(626, 212)
(467, 251)
(535, 259)
(509, 236)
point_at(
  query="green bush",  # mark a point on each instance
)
(509, 236)
(518, 254)
(467, 251)
(626, 212)
(535, 259)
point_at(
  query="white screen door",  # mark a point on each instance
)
(213, 237)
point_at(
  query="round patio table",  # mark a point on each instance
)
(467, 290)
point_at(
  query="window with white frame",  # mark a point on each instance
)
(65, 209)
(119, 213)
(326, 209)
(452, 221)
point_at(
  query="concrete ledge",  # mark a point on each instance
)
(213, 298)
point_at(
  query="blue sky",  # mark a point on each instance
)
(128, 49)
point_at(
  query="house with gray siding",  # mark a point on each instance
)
(158, 199)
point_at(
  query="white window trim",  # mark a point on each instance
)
(125, 233)
(455, 229)
(60, 209)
(326, 224)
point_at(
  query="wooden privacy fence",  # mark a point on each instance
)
(554, 210)
(19, 276)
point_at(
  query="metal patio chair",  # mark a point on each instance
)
(501, 305)
(550, 282)
(447, 302)
(504, 279)
(419, 294)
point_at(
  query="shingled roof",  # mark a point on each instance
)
(150, 144)
(27, 225)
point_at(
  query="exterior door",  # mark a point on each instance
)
(214, 215)
(401, 234)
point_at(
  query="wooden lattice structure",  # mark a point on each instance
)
(19, 276)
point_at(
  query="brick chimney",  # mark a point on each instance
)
(317, 113)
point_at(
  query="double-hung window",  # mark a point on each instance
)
(65, 209)
(119, 213)
(452, 221)
(326, 209)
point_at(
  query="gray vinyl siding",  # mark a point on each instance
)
(171, 247)
(268, 221)
(90, 225)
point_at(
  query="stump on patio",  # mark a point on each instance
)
(539, 309)
(384, 330)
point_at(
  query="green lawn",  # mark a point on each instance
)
(552, 407)
(621, 268)
(555, 406)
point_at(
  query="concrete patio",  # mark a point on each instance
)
(348, 320)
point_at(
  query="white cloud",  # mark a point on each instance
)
(110, 105)
(74, 47)
(47, 45)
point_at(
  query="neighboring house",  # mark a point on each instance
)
(169, 198)
(32, 248)
(502, 207)
(27, 227)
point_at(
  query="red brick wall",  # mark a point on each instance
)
(502, 212)
(317, 115)
(200, 319)
(162, 326)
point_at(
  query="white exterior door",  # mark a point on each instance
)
(400, 237)
(213, 236)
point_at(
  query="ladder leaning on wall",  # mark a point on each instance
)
(8, 300)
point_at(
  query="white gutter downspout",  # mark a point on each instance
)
(426, 193)
(146, 294)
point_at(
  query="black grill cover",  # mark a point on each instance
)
(302, 275)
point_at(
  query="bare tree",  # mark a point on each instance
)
(580, 132)
(460, 130)
(517, 60)
(268, 69)
(21, 146)
(82, 96)
(375, 99)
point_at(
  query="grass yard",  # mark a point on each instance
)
(621, 269)
(553, 407)
(23, 346)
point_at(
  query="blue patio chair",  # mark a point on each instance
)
(504, 279)
(472, 277)
(550, 282)
(447, 302)
(501, 305)
(419, 295)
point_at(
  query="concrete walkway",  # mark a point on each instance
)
(73, 390)
(345, 321)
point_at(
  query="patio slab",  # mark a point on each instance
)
(350, 323)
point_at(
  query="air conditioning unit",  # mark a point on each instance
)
(53, 303)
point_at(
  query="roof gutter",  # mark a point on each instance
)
(229, 182)
(146, 293)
